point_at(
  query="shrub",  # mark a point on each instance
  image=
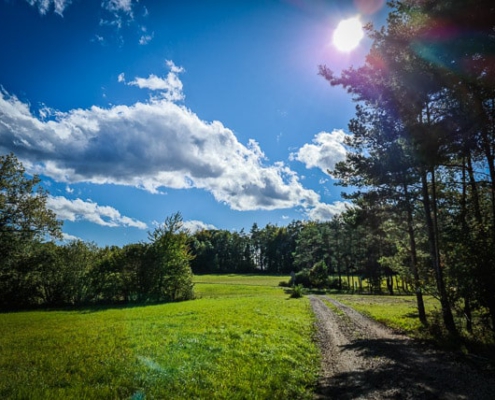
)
(297, 292)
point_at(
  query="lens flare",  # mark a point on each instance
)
(348, 34)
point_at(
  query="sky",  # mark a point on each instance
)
(131, 111)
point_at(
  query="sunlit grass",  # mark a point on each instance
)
(398, 312)
(253, 345)
(248, 279)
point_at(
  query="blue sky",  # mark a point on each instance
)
(133, 110)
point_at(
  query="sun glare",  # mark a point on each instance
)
(348, 34)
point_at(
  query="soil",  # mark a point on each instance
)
(363, 359)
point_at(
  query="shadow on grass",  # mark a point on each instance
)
(402, 371)
(83, 308)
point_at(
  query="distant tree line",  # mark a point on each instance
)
(346, 253)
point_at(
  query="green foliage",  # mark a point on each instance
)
(79, 273)
(421, 153)
(221, 251)
(25, 221)
(252, 345)
(312, 246)
(302, 278)
(318, 275)
(168, 259)
(297, 291)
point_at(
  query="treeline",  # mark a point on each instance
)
(345, 253)
(36, 271)
(81, 273)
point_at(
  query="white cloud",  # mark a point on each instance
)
(120, 13)
(325, 212)
(327, 150)
(124, 6)
(69, 238)
(59, 6)
(194, 226)
(145, 39)
(169, 88)
(150, 145)
(73, 210)
(44, 6)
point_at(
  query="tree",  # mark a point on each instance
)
(311, 247)
(168, 262)
(24, 221)
(400, 129)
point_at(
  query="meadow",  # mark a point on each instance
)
(242, 338)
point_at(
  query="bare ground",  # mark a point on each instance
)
(362, 359)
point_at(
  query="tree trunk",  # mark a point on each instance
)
(490, 157)
(429, 207)
(414, 259)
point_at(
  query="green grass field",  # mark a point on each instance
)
(243, 338)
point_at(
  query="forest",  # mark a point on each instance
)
(420, 169)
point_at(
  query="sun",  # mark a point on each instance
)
(348, 34)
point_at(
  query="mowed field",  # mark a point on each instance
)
(242, 338)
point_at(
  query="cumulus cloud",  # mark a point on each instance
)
(44, 6)
(150, 145)
(74, 210)
(327, 150)
(69, 238)
(194, 226)
(325, 212)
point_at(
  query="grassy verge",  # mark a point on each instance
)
(398, 312)
(236, 341)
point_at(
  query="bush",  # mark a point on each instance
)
(297, 292)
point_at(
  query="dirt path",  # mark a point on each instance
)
(362, 359)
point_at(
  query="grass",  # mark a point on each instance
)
(245, 280)
(398, 312)
(242, 339)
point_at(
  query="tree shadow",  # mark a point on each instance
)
(398, 369)
(83, 308)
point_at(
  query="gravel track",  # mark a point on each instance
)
(363, 359)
